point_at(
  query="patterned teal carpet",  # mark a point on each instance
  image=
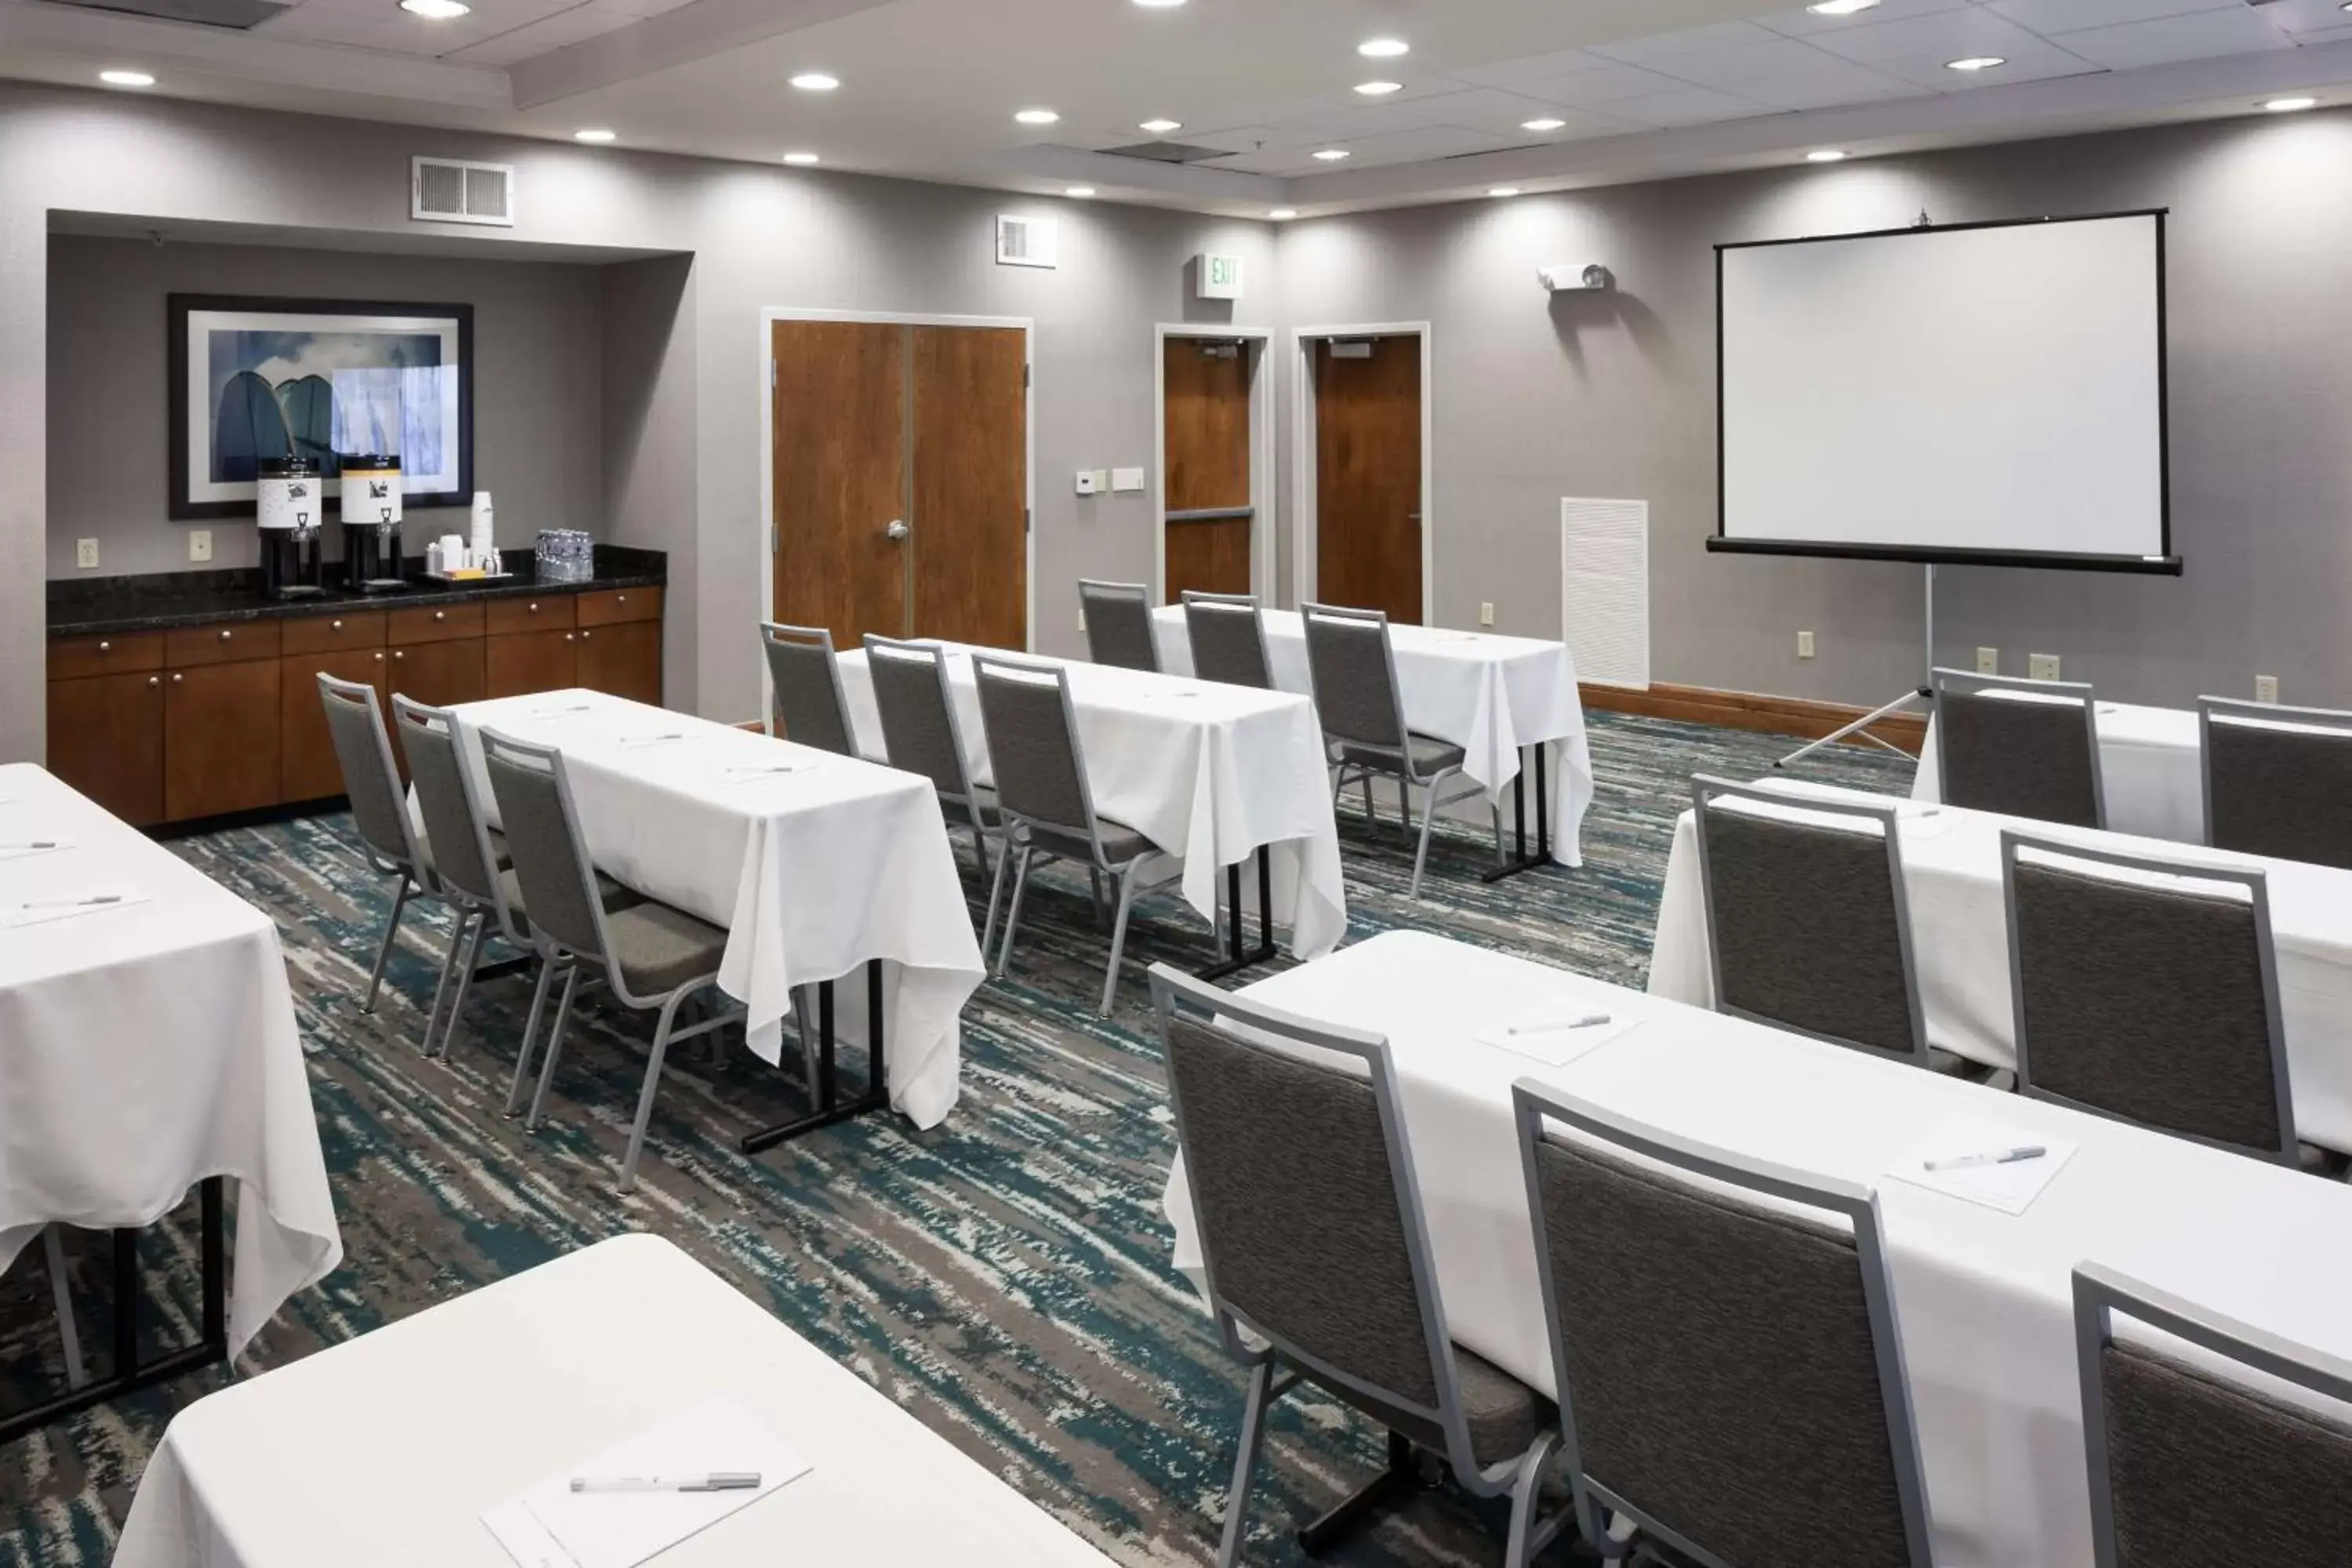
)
(1004, 1277)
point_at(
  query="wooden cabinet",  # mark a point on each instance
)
(438, 673)
(528, 661)
(307, 768)
(220, 738)
(623, 659)
(106, 739)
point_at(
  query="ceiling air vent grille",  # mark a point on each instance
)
(445, 190)
(1167, 153)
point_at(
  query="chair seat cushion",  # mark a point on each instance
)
(1503, 1413)
(659, 949)
(1429, 756)
(614, 895)
(982, 798)
(1120, 843)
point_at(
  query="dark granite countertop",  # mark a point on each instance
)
(80, 607)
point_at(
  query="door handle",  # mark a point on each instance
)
(897, 529)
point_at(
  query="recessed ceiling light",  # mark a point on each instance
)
(1036, 117)
(1839, 7)
(1503, 191)
(1546, 123)
(1379, 88)
(1976, 63)
(1825, 156)
(1159, 4)
(2289, 105)
(815, 82)
(1280, 213)
(1383, 48)
(1160, 127)
(1331, 155)
(1082, 191)
(438, 10)
(801, 159)
(126, 78)
(592, 135)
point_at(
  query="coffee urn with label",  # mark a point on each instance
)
(290, 512)
(371, 523)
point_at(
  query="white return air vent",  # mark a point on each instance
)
(445, 190)
(1025, 241)
(1605, 589)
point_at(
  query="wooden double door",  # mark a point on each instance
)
(901, 480)
(1367, 478)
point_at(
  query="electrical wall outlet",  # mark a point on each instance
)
(2042, 667)
(1987, 661)
(1804, 645)
(1086, 485)
(1485, 613)
(2266, 689)
(200, 544)
(1082, 618)
(85, 554)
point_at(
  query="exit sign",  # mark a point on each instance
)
(1221, 277)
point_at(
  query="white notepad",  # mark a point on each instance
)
(549, 1525)
(64, 906)
(1554, 1031)
(2010, 1188)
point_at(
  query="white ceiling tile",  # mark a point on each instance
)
(2032, 61)
(1947, 35)
(2331, 35)
(2048, 17)
(1687, 106)
(1689, 40)
(2206, 36)
(2304, 17)
(1752, 62)
(1598, 89)
(504, 50)
(1371, 119)
(1805, 24)
(1830, 88)
(328, 25)
(1535, 67)
(1506, 114)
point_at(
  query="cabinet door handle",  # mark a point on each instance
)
(175, 680)
(620, 598)
(154, 680)
(337, 626)
(440, 615)
(583, 636)
(379, 658)
(534, 609)
(398, 653)
(106, 647)
(568, 637)
(226, 635)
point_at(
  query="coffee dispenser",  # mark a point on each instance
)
(290, 512)
(371, 523)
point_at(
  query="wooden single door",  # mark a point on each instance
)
(1205, 397)
(1367, 518)
(971, 485)
(840, 480)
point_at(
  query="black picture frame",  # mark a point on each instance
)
(191, 499)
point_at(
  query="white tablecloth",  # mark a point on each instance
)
(1982, 1299)
(2151, 771)
(1207, 772)
(1959, 937)
(812, 873)
(383, 1452)
(146, 1047)
(1490, 695)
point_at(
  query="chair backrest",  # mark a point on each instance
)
(2278, 781)
(363, 751)
(551, 859)
(2022, 747)
(1228, 640)
(919, 732)
(1032, 743)
(810, 708)
(2147, 999)
(1312, 1235)
(1807, 918)
(2191, 1468)
(1118, 624)
(445, 798)
(1352, 667)
(1728, 1369)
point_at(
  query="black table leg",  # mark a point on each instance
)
(1522, 861)
(1239, 958)
(831, 1108)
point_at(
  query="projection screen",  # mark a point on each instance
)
(1983, 392)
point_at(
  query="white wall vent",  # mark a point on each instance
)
(1025, 241)
(445, 190)
(1605, 589)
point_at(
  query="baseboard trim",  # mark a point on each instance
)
(1795, 716)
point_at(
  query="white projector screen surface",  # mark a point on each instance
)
(1941, 394)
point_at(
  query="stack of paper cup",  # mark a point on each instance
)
(485, 528)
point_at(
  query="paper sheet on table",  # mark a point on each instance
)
(40, 911)
(1546, 1031)
(22, 848)
(621, 1530)
(2010, 1188)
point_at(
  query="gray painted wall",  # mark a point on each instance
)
(538, 335)
(1614, 396)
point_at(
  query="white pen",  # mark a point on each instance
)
(72, 903)
(1993, 1157)
(32, 843)
(649, 740)
(1587, 1022)
(715, 1481)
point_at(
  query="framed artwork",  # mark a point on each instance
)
(259, 378)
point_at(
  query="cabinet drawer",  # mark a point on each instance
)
(123, 653)
(188, 647)
(547, 613)
(330, 634)
(609, 606)
(434, 623)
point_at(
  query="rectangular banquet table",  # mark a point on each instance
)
(1982, 1298)
(383, 1452)
(1209, 773)
(1492, 696)
(2151, 771)
(812, 873)
(1959, 937)
(149, 1046)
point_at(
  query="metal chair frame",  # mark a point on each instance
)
(772, 633)
(2229, 711)
(936, 656)
(1090, 588)
(1965, 683)
(1216, 604)
(413, 874)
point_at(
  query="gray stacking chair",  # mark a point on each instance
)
(1807, 922)
(2277, 792)
(363, 750)
(2148, 1002)
(810, 708)
(1119, 625)
(1723, 1339)
(653, 957)
(2189, 1467)
(1041, 787)
(2034, 753)
(1352, 667)
(1228, 638)
(1316, 1259)
(921, 735)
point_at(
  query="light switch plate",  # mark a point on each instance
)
(1485, 613)
(85, 554)
(1085, 481)
(1126, 480)
(1804, 645)
(2266, 689)
(200, 544)
(2042, 667)
(1987, 661)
